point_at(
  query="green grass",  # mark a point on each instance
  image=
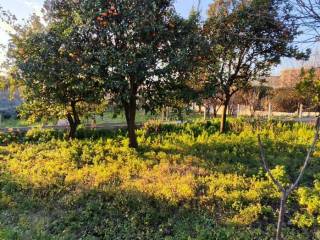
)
(141, 117)
(184, 182)
(9, 123)
(108, 117)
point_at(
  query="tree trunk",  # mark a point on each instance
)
(73, 125)
(130, 112)
(281, 215)
(72, 131)
(74, 121)
(223, 122)
(215, 112)
(208, 112)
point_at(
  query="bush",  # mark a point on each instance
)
(42, 135)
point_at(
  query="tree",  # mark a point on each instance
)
(287, 190)
(247, 38)
(143, 48)
(252, 96)
(309, 87)
(55, 70)
(286, 100)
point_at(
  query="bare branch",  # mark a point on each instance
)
(266, 168)
(307, 160)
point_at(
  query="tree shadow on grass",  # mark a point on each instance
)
(110, 212)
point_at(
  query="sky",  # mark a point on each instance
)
(24, 8)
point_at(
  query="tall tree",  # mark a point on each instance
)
(144, 49)
(309, 87)
(247, 38)
(55, 70)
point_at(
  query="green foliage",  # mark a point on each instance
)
(6, 138)
(309, 87)
(309, 200)
(56, 73)
(187, 182)
(41, 135)
(142, 49)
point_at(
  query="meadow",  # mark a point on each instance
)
(185, 181)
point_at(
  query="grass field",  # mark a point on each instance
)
(13, 122)
(107, 117)
(184, 182)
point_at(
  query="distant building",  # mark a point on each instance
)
(288, 78)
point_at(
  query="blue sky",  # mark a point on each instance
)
(23, 8)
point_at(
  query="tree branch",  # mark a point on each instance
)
(266, 168)
(307, 160)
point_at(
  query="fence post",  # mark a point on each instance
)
(0, 120)
(162, 114)
(167, 114)
(300, 110)
(270, 112)
(238, 111)
(204, 113)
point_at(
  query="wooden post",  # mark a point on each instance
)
(270, 112)
(0, 119)
(238, 111)
(167, 114)
(204, 113)
(300, 111)
(162, 114)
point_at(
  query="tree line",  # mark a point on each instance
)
(141, 54)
